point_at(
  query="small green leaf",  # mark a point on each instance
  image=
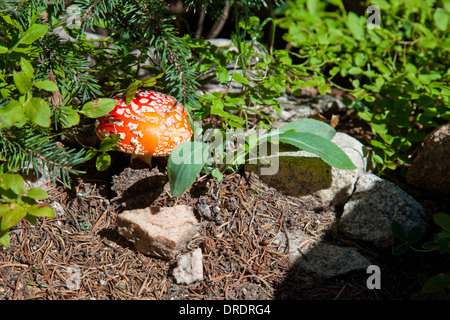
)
(22, 81)
(38, 111)
(222, 74)
(355, 25)
(35, 32)
(46, 85)
(398, 231)
(103, 161)
(12, 181)
(26, 67)
(11, 114)
(130, 93)
(441, 18)
(442, 220)
(4, 238)
(184, 164)
(39, 210)
(239, 78)
(69, 117)
(98, 108)
(399, 250)
(37, 193)
(216, 173)
(31, 219)
(3, 49)
(12, 217)
(109, 143)
(149, 82)
(414, 235)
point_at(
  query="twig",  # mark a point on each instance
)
(218, 25)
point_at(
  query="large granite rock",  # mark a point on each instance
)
(323, 259)
(304, 174)
(374, 205)
(430, 169)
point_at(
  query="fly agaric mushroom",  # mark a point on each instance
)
(151, 125)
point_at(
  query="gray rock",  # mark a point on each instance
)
(325, 260)
(430, 169)
(189, 267)
(163, 232)
(304, 174)
(328, 260)
(296, 243)
(375, 204)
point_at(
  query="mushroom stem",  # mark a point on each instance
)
(147, 159)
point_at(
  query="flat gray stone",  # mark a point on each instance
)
(375, 204)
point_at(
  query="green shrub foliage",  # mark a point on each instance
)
(62, 61)
(398, 73)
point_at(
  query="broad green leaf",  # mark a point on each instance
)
(3, 49)
(22, 81)
(35, 32)
(38, 111)
(46, 85)
(37, 193)
(324, 148)
(98, 108)
(310, 126)
(184, 164)
(41, 211)
(12, 217)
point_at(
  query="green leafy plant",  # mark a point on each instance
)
(398, 73)
(18, 203)
(55, 78)
(189, 158)
(437, 285)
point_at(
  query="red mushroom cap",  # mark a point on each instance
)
(150, 125)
